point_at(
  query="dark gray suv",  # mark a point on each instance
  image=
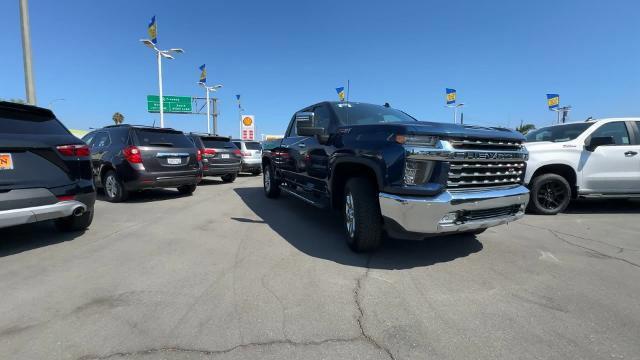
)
(220, 157)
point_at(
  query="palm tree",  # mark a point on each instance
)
(525, 128)
(118, 118)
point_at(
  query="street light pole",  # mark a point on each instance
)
(160, 89)
(208, 112)
(26, 53)
(210, 89)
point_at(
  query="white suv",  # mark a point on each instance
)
(596, 158)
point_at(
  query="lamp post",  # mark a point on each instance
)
(209, 89)
(161, 54)
(455, 111)
(53, 101)
(26, 53)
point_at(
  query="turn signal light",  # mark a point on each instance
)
(132, 154)
(74, 150)
(199, 155)
(209, 151)
(237, 152)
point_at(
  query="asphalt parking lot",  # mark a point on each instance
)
(229, 274)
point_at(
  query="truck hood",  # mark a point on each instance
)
(462, 131)
(540, 146)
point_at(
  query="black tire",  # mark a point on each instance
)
(361, 215)
(118, 192)
(256, 172)
(229, 178)
(75, 223)
(270, 184)
(550, 194)
(187, 189)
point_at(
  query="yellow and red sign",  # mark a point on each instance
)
(6, 162)
(248, 127)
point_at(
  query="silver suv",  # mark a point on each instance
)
(251, 156)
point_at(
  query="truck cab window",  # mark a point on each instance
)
(617, 130)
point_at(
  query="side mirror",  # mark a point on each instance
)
(594, 142)
(305, 125)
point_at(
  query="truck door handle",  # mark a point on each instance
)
(631, 153)
(302, 145)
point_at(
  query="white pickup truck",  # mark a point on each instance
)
(595, 158)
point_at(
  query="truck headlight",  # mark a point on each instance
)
(417, 140)
(417, 172)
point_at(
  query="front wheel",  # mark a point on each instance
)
(361, 214)
(550, 194)
(187, 189)
(271, 186)
(229, 178)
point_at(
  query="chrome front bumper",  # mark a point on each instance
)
(426, 215)
(40, 213)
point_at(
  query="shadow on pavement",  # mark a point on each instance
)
(608, 206)
(210, 181)
(318, 233)
(145, 196)
(17, 239)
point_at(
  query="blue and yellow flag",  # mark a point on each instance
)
(153, 31)
(451, 96)
(340, 91)
(203, 74)
(553, 101)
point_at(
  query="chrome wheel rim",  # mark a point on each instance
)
(349, 215)
(111, 187)
(267, 180)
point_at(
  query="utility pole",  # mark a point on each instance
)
(215, 115)
(26, 53)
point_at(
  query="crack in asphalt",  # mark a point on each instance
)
(215, 352)
(359, 306)
(557, 236)
(620, 248)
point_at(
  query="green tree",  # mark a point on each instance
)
(525, 128)
(17, 101)
(118, 118)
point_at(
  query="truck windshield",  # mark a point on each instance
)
(558, 133)
(366, 114)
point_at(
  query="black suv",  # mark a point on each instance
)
(220, 157)
(128, 158)
(45, 172)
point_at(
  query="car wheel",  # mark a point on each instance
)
(271, 186)
(187, 189)
(361, 214)
(550, 194)
(113, 188)
(229, 178)
(256, 172)
(75, 223)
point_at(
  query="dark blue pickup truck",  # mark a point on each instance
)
(387, 172)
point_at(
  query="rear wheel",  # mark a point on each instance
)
(113, 188)
(361, 214)
(271, 186)
(229, 178)
(550, 194)
(75, 223)
(256, 172)
(187, 189)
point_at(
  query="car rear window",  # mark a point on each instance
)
(166, 138)
(216, 143)
(253, 146)
(34, 125)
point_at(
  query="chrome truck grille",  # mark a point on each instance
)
(482, 163)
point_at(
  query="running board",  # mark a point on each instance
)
(317, 203)
(609, 196)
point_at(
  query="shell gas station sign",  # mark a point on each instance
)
(247, 127)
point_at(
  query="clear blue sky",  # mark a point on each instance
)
(501, 56)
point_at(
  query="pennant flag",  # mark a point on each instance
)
(203, 74)
(451, 96)
(553, 101)
(340, 91)
(153, 30)
(238, 98)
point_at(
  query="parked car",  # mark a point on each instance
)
(596, 158)
(386, 171)
(251, 156)
(45, 171)
(128, 158)
(220, 157)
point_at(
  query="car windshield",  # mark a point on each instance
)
(367, 114)
(558, 133)
(31, 125)
(250, 145)
(167, 138)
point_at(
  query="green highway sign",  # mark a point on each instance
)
(171, 104)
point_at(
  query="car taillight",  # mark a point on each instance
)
(210, 151)
(66, 198)
(199, 155)
(246, 153)
(132, 154)
(74, 150)
(237, 152)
